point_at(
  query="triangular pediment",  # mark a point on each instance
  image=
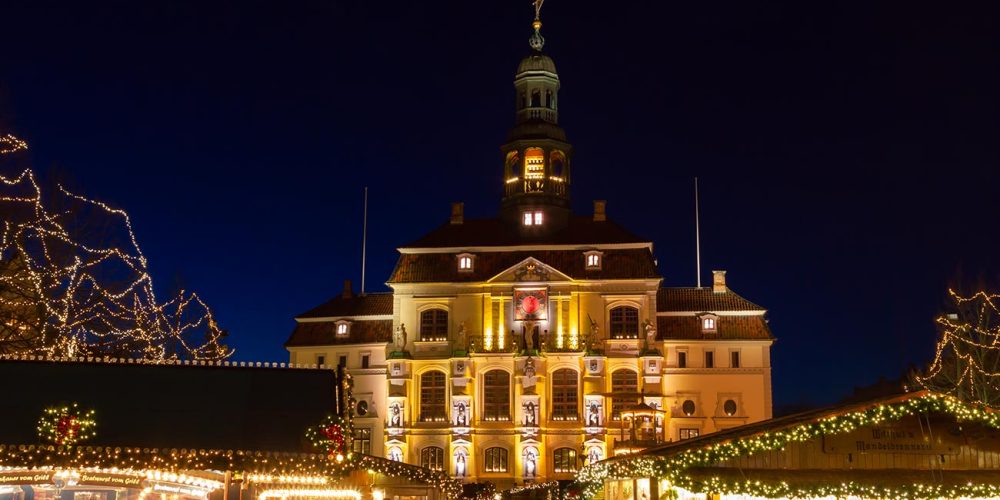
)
(529, 270)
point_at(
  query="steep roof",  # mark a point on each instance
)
(179, 406)
(442, 267)
(691, 299)
(727, 328)
(324, 333)
(581, 230)
(370, 304)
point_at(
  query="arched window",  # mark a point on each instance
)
(564, 460)
(548, 99)
(434, 324)
(496, 395)
(624, 323)
(524, 101)
(432, 457)
(536, 99)
(624, 391)
(432, 395)
(564, 395)
(496, 460)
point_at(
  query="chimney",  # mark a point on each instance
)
(599, 214)
(457, 212)
(347, 290)
(719, 282)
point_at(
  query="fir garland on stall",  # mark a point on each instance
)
(672, 469)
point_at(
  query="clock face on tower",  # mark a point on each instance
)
(530, 304)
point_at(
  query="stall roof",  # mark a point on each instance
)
(170, 405)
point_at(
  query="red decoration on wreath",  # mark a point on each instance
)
(66, 425)
(332, 437)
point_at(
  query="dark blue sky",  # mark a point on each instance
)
(847, 150)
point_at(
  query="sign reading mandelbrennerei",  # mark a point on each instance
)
(906, 436)
(25, 477)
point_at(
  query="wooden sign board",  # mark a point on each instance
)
(903, 437)
(25, 477)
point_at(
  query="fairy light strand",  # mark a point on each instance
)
(63, 295)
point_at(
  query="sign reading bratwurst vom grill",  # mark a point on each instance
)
(907, 436)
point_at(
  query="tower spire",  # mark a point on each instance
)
(537, 41)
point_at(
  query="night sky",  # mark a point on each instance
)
(847, 151)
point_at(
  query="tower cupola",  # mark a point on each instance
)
(536, 154)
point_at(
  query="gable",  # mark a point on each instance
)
(529, 270)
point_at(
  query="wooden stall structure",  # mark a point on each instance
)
(915, 445)
(124, 429)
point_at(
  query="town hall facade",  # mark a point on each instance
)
(521, 347)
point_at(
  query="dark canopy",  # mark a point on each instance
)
(171, 406)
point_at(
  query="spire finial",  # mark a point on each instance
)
(537, 41)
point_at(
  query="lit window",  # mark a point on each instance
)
(688, 433)
(688, 408)
(465, 262)
(341, 328)
(729, 407)
(564, 460)
(432, 458)
(496, 460)
(534, 164)
(362, 442)
(533, 218)
(708, 324)
(593, 259)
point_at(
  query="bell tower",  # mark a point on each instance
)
(537, 172)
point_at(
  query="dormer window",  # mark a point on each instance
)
(593, 259)
(342, 328)
(709, 323)
(533, 218)
(465, 261)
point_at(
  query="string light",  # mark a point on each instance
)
(672, 468)
(304, 492)
(65, 297)
(970, 337)
(10, 144)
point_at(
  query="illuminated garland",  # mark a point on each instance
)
(591, 477)
(67, 425)
(452, 488)
(849, 489)
(966, 363)
(65, 292)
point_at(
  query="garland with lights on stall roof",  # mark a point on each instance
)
(333, 437)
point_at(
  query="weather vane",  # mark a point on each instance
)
(537, 41)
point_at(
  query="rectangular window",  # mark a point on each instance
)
(528, 220)
(465, 263)
(564, 395)
(688, 433)
(734, 359)
(365, 360)
(321, 360)
(342, 329)
(362, 440)
(709, 359)
(342, 361)
(538, 218)
(708, 324)
(682, 359)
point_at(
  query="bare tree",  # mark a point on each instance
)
(966, 362)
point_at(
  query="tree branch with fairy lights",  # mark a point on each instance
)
(74, 281)
(966, 362)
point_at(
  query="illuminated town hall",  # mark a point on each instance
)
(521, 347)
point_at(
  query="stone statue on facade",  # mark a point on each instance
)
(461, 339)
(593, 336)
(529, 338)
(399, 337)
(650, 331)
